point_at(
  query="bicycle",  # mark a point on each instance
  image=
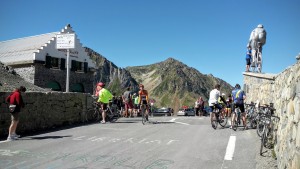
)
(268, 129)
(218, 119)
(143, 108)
(112, 113)
(251, 115)
(237, 120)
(257, 59)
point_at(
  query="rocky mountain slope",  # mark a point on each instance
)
(117, 79)
(9, 80)
(173, 84)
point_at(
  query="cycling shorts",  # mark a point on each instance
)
(218, 106)
(144, 102)
(103, 105)
(241, 106)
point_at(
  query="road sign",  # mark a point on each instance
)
(65, 41)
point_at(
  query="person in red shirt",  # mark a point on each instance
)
(15, 98)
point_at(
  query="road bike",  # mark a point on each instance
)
(251, 115)
(257, 59)
(218, 118)
(237, 120)
(268, 134)
(112, 113)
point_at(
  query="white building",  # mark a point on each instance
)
(38, 61)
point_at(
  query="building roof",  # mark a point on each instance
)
(35, 48)
(22, 49)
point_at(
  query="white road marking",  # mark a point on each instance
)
(173, 120)
(230, 148)
(182, 123)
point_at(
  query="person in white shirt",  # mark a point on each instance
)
(213, 101)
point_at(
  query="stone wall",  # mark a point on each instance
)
(47, 110)
(39, 75)
(284, 91)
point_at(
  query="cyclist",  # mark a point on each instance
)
(143, 99)
(213, 102)
(228, 105)
(238, 97)
(222, 102)
(104, 97)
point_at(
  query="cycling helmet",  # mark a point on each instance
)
(237, 86)
(141, 85)
(260, 26)
(223, 94)
(100, 84)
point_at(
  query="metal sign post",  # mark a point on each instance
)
(66, 41)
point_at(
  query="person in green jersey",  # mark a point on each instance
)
(104, 97)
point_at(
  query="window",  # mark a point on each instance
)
(54, 62)
(78, 66)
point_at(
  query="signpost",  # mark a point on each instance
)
(66, 41)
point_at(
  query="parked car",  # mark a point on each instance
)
(186, 112)
(181, 112)
(163, 112)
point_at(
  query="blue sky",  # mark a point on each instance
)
(210, 36)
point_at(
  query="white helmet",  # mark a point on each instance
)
(260, 26)
(223, 94)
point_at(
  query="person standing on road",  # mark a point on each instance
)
(104, 97)
(136, 104)
(238, 97)
(127, 99)
(15, 99)
(201, 107)
(197, 107)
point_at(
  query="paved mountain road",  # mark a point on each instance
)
(167, 142)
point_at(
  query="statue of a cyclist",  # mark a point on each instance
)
(257, 39)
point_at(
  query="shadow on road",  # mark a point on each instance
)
(48, 137)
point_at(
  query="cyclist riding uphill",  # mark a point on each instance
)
(238, 97)
(143, 98)
(213, 101)
(104, 97)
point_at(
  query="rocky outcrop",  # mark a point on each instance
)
(117, 79)
(284, 91)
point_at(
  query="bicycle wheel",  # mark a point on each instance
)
(259, 128)
(223, 121)
(263, 138)
(214, 122)
(143, 109)
(96, 116)
(235, 124)
(113, 116)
